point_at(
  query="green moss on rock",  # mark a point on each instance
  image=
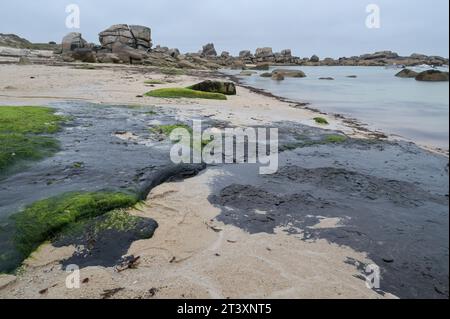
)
(185, 93)
(335, 139)
(321, 120)
(227, 88)
(44, 219)
(22, 130)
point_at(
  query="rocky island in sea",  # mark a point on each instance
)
(86, 179)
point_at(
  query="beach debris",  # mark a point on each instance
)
(215, 229)
(108, 293)
(152, 292)
(128, 262)
(45, 290)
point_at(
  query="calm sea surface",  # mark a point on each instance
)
(418, 111)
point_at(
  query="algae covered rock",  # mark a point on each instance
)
(227, 88)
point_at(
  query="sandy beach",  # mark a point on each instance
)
(187, 257)
(193, 254)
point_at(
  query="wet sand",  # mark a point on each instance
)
(200, 250)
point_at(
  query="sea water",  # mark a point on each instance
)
(406, 108)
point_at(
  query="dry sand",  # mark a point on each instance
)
(190, 255)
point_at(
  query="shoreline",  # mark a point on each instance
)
(351, 122)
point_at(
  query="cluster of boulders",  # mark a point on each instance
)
(382, 58)
(132, 44)
(118, 43)
(267, 55)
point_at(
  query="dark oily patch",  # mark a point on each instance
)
(104, 240)
(391, 200)
(360, 185)
(392, 228)
(92, 158)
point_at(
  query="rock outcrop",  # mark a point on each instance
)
(277, 76)
(134, 36)
(105, 57)
(264, 55)
(209, 50)
(84, 55)
(314, 59)
(245, 54)
(433, 76)
(406, 73)
(72, 41)
(227, 88)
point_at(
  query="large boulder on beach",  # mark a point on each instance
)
(72, 41)
(84, 55)
(126, 53)
(406, 73)
(133, 36)
(290, 73)
(433, 76)
(209, 50)
(227, 88)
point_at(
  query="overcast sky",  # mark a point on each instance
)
(324, 27)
